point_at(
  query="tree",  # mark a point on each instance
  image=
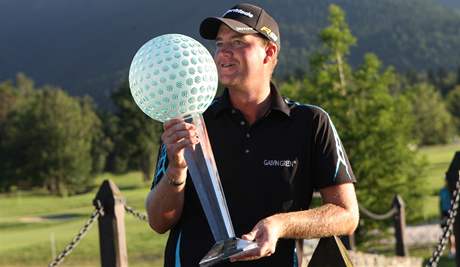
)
(433, 123)
(10, 95)
(47, 142)
(458, 75)
(8, 100)
(136, 136)
(101, 145)
(12, 98)
(375, 126)
(453, 105)
(332, 70)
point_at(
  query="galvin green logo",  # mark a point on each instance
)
(279, 163)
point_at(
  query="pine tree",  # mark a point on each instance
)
(433, 123)
(374, 125)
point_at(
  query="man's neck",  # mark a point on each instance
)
(252, 102)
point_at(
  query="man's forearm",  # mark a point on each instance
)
(165, 202)
(326, 220)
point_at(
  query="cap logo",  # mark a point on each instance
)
(239, 11)
(244, 29)
(269, 32)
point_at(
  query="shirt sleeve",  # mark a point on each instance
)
(330, 164)
(162, 164)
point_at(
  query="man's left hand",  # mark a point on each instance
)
(266, 234)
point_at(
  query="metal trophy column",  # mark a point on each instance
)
(202, 168)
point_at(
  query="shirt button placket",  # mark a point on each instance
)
(247, 135)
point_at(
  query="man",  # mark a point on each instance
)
(445, 199)
(271, 154)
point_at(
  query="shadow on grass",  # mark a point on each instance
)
(63, 216)
(129, 187)
(32, 222)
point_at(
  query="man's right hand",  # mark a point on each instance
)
(176, 136)
(165, 201)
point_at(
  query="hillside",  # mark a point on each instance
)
(451, 3)
(86, 46)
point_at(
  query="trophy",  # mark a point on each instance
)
(174, 76)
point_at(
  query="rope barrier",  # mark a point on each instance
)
(375, 216)
(73, 244)
(137, 214)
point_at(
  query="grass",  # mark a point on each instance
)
(30, 220)
(438, 158)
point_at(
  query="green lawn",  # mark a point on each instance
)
(439, 158)
(29, 220)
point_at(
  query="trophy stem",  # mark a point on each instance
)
(203, 170)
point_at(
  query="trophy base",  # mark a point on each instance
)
(225, 249)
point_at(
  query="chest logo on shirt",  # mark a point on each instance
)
(279, 163)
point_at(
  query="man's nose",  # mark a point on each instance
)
(225, 50)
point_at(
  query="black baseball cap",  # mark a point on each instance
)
(245, 19)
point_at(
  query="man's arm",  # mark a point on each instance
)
(339, 215)
(165, 201)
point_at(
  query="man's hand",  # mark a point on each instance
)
(176, 136)
(266, 234)
(164, 202)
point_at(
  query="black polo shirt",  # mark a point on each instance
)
(269, 167)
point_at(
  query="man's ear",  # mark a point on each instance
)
(270, 52)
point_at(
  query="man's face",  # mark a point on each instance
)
(239, 58)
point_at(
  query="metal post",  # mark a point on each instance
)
(400, 225)
(112, 240)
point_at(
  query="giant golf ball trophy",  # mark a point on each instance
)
(174, 76)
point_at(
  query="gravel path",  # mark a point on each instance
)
(423, 234)
(415, 235)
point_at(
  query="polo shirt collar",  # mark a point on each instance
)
(277, 102)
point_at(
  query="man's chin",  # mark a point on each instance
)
(226, 82)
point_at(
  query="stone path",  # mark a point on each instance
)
(427, 234)
(415, 235)
(423, 234)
